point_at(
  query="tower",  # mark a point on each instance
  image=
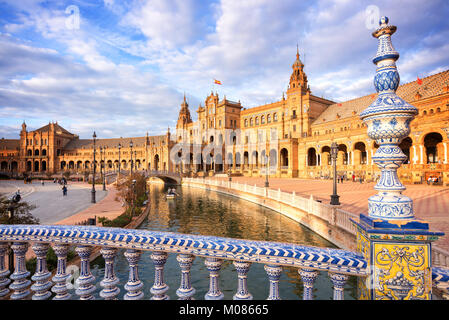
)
(184, 119)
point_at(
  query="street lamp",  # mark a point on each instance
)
(119, 163)
(334, 152)
(135, 160)
(14, 200)
(93, 176)
(229, 173)
(266, 172)
(104, 168)
(131, 146)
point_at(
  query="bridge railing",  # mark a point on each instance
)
(339, 264)
(333, 215)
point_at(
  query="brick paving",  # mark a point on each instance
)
(108, 207)
(431, 203)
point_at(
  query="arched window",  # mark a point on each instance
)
(275, 117)
(251, 122)
(262, 119)
(268, 118)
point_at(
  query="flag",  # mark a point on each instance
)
(217, 81)
(419, 81)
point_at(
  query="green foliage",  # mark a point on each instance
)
(119, 222)
(22, 212)
(52, 260)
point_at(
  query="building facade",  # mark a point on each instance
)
(291, 137)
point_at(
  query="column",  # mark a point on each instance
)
(61, 276)
(445, 161)
(4, 272)
(339, 281)
(134, 285)
(185, 290)
(86, 280)
(213, 265)
(110, 281)
(42, 275)
(274, 273)
(160, 287)
(242, 268)
(421, 149)
(20, 274)
(308, 277)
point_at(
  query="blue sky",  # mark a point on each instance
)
(124, 68)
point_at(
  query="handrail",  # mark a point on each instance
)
(285, 254)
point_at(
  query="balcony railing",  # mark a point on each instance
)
(339, 264)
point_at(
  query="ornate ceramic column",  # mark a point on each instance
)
(339, 281)
(20, 274)
(159, 288)
(308, 277)
(61, 276)
(185, 290)
(4, 272)
(274, 273)
(134, 284)
(214, 266)
(110, 281)
(42, 275)
(395, 244)
(242, 290)
(86, 280)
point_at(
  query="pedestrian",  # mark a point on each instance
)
(64, 190)
(353, 177)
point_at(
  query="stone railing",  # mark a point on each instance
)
(332, 214)
(339, 264)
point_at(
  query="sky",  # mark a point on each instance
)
(121, 68)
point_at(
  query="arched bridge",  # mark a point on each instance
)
(166, 176)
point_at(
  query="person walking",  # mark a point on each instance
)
(64, 190)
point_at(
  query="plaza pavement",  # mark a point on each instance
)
(54, 208)
(431, 203)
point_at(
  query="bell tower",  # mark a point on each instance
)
(184, 119)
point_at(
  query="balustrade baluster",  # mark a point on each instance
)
(185, 291)
(42, 275)
(308, 277)
(110, 281)
(61, 276)
(86, 280)
(274, 273)
(4, 272)
(214, 266)
(159, 287)
(134, 284)
(20, 274)
(242, 290)
(339, 281)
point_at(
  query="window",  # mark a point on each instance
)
(257, 121)
(251, 122)
(275, 117)
(262, 119)
(246, 122)
(269, 118)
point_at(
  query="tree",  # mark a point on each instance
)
(133, 195)
(21, 212)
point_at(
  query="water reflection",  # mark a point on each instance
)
(197, 211)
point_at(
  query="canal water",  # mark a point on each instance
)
(196, 211)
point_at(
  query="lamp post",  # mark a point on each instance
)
(104, 168)
(135, 160)
(119, 163)
(131, 146)
(229, 174)
(93, 176)
(14, 200)
(266, 171)
(334, 152)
